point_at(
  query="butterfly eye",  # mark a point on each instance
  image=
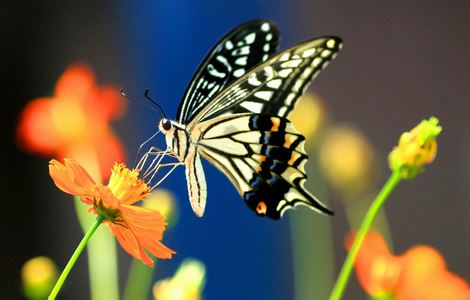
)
(166, 124)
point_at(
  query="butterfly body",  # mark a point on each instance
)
(235, 114)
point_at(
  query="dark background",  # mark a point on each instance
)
(402, 61)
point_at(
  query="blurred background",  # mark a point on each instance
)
(402, 61)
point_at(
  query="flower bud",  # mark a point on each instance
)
(415, 149)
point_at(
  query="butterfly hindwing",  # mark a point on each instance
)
(264, 158)
(246, 46)
(273, 87)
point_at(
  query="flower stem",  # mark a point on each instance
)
(346, 270)
(74, 258)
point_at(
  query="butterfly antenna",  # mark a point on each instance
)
(124, 94)
(146, 94)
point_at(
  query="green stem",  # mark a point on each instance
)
(102, 257)
(345, 272)
(74, 258)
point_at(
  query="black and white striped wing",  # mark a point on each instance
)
(264, 158)
(274, 86)
(240, 50)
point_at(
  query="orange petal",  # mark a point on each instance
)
(130, 243)
(36, 131)
(148, 226)
(71, 178)
(107, 102)
(77, 81)
(109, 149)
(439, 286)
(425, 276)
(376, 268)
(421, 261)
(108, 199)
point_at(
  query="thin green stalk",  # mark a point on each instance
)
(74, 258)
(102, 258)
(345, 272)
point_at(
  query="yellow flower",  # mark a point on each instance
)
(186, 284)
(308, 116)
(38, 276)
(347, 160)
(415, 149)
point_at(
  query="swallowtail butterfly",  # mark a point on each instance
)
(235, 114)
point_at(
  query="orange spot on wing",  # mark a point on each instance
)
(276, 123)
(260, 167)
(292, 159)
(287, 142)
(261, 208)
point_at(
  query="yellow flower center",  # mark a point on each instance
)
(126, 186)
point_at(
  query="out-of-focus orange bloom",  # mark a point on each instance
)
(424, 275)
(377, 269)
(74, 122)
(419, 273)
(136, 228)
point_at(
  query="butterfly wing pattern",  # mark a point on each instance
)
(264, 158)
(242, 127)
(236, 53)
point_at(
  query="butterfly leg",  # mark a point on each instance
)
(150, 170)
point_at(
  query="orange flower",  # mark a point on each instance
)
(136, 228)
(420, 273)
(376, 268)
(74, 122)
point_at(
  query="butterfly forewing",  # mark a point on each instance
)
(263, 156)
(235, 112)
(246, 46)
(274, 86)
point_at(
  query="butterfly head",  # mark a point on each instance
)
(165, 125)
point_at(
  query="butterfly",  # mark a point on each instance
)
(235, 115)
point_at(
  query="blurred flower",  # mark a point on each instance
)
(347, 160)
(38, 276)
(186, 284)
(136, 228)
(415, 149)
(377, 269)
(163, 201)
(74, 122)
(308, 116)
(420, 273)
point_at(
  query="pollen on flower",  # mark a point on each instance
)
(126, 185)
